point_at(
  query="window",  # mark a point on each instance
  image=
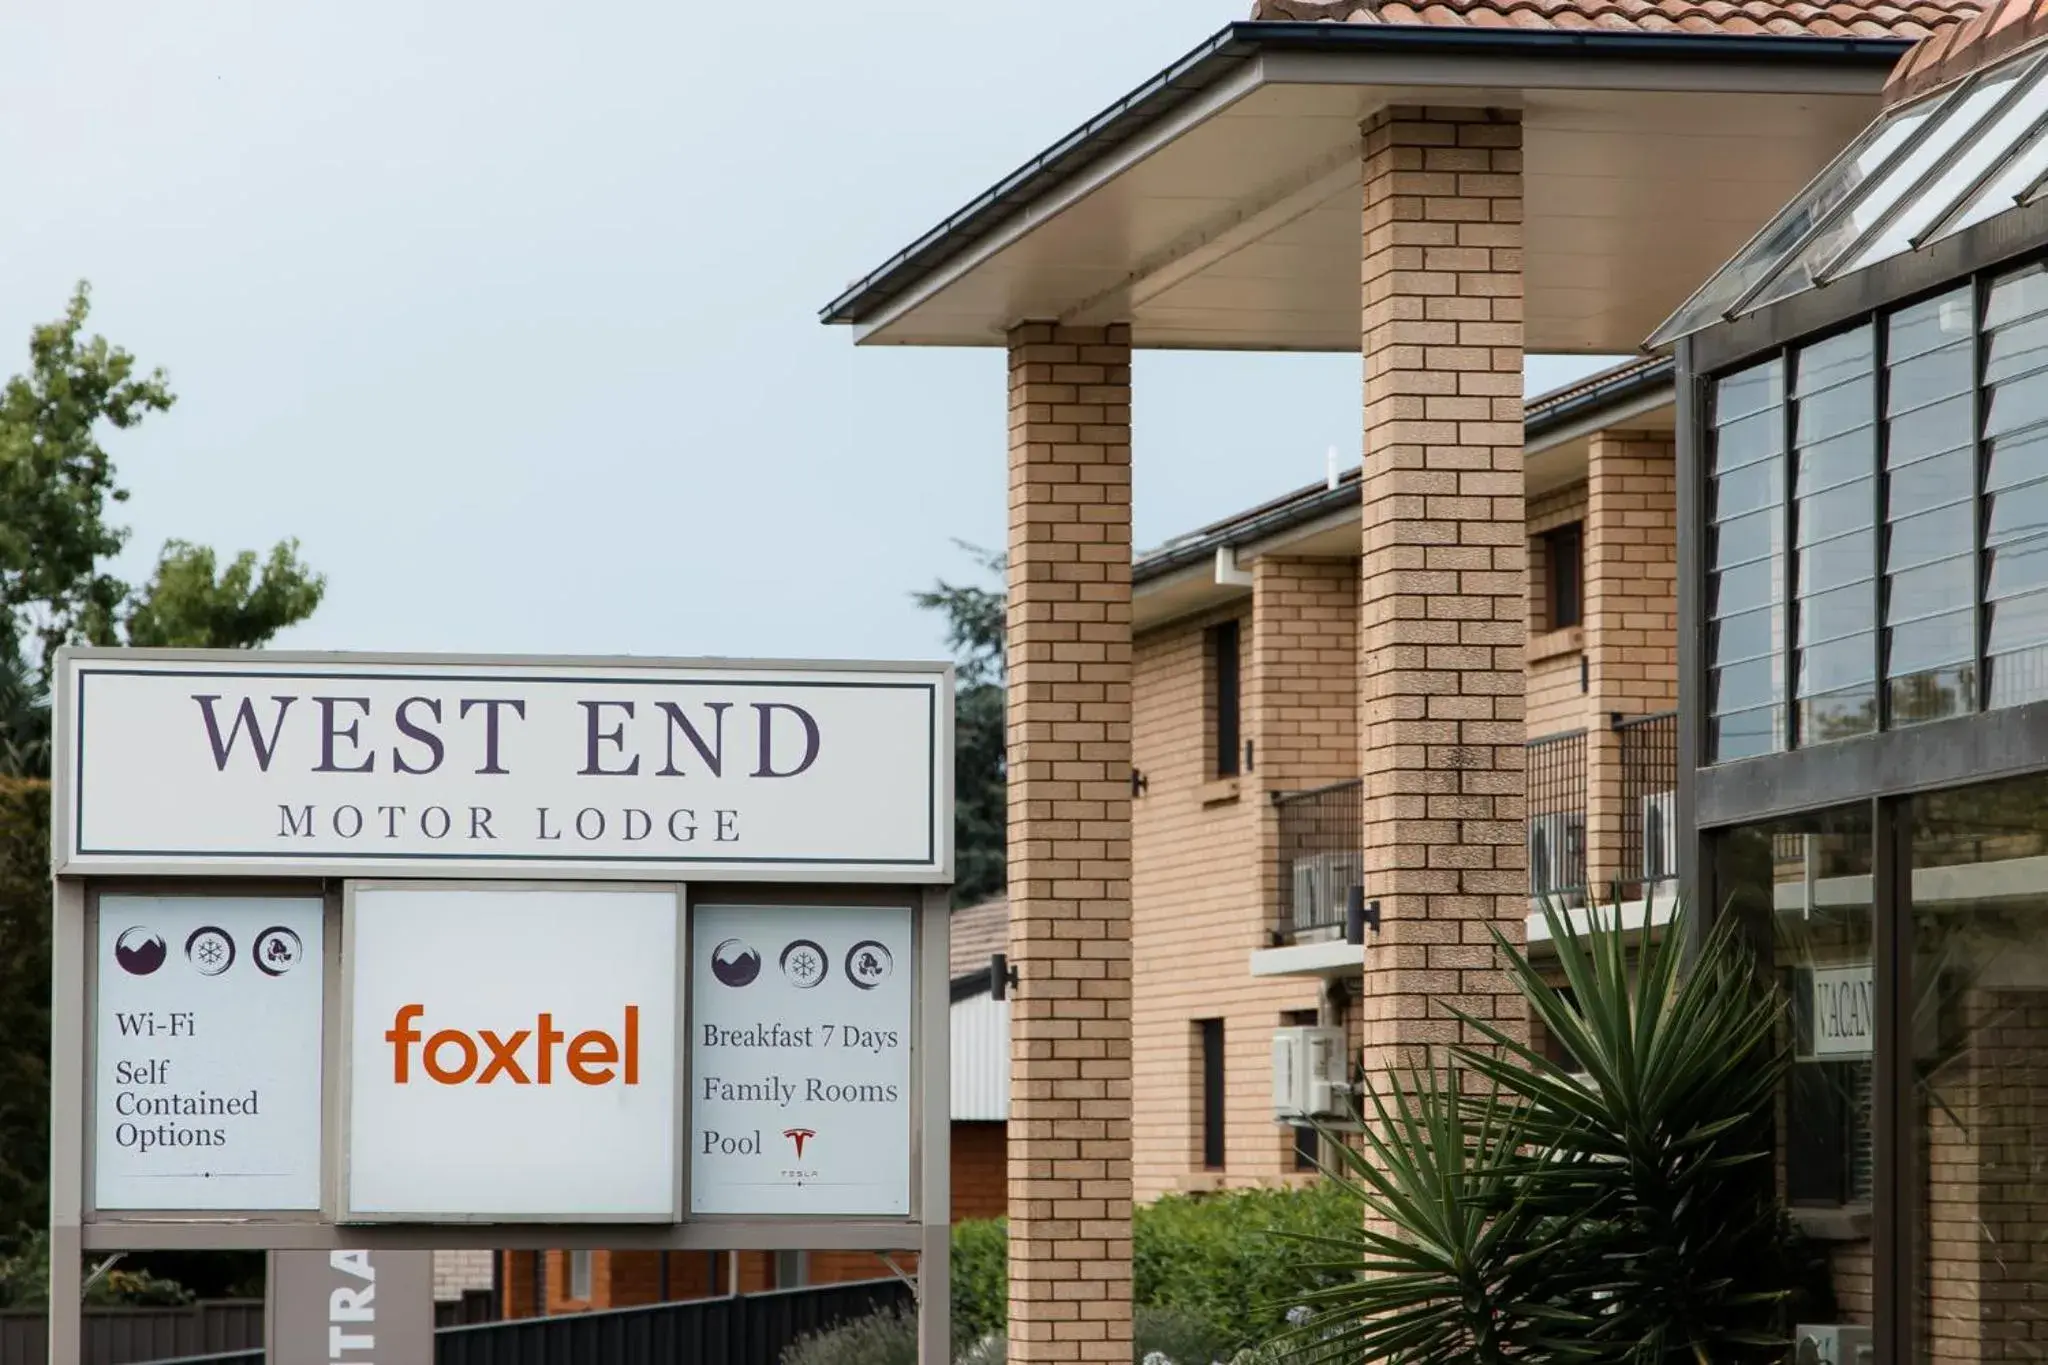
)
(1305, 1146)
(1209, 1037)
(1222, 641)
(1564, 566)
(579, 1276)
(789, 1269)
(2015, 431)
(1978, 1108)
(1929, 573)
(1746, 564)
(1834, 513)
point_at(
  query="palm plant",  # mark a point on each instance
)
(1621, 1211)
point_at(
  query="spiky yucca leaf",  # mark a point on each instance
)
(1663, 1150)
(1456, 1267)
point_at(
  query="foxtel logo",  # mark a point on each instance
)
(453, 1056)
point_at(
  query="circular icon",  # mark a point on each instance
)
(804, 963)
(140, 951)
(868, 964)
(735, 963)
(277, 950)
(210, 950)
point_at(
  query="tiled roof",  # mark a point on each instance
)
(978, 933)
(1957, 50)
(1912, 19)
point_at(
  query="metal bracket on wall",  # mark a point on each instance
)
(1002, 977)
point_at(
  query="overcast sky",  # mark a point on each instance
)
(508, 311)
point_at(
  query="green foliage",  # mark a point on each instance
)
(191, 605)
(980, 1273)
(1181, 1337)
(974, 632)
(1222, 1269)
(25, 1280)
(1238, 1261)
(1533, 1216)
(56, 481)
(24, 1006)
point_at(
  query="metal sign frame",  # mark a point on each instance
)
(78, 1228)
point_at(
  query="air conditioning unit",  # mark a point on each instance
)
(1557, 844)
(1834, 1343)
(1660, 836)
(1322, 882)
(1308, 1073)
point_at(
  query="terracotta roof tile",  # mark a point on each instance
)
(1917, 19)
(1956, 52)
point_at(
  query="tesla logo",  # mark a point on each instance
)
(799, 1136)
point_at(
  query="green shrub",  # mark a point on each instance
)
(1226, 1266)
(888, 1337)
(1181, 1337)
(1234, 1261)
(981, 1288)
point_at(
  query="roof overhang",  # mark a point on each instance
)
(1218, 206)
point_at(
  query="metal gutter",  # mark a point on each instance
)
(1222, 53)
(1559, 408)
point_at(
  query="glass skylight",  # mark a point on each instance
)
(1916, 174)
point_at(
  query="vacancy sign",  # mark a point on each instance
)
(800, 1055)
(1844, 1012)
(321, 762)
(206, 1053)
(512, 1053)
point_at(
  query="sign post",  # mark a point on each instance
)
(356, 957)
(349, 1307)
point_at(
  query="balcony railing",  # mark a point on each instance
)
(1556, 781)
(1649, 815)
(1320, 860)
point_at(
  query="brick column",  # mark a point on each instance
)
(1631, 622)
(1442, 618)
(1069, 641)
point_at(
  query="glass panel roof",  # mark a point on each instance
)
(1921, 171)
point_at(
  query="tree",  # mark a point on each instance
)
(56, 481)
(974, 632)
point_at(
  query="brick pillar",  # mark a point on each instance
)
(1069, 641)
(1631, 622)
(1442, 618)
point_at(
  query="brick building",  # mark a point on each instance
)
(1441, 189)
(1249, 771)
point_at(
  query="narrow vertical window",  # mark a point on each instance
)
(1209, 1035)
(1223, 697)
(1564, 560)
(1746, 565)
(579, 1276)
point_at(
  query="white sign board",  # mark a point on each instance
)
(225, 761)
(1844, 1015)
(206, 1066)
(512, 1053)
(800, 1060)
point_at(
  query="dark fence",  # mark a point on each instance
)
(126, 1336)
(1322, 836)
(1649, 781)
(1557, 815)
(752, 1329)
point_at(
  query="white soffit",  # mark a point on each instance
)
(1235, 224)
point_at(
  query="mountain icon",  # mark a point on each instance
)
(139, 951)
(735, 963)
